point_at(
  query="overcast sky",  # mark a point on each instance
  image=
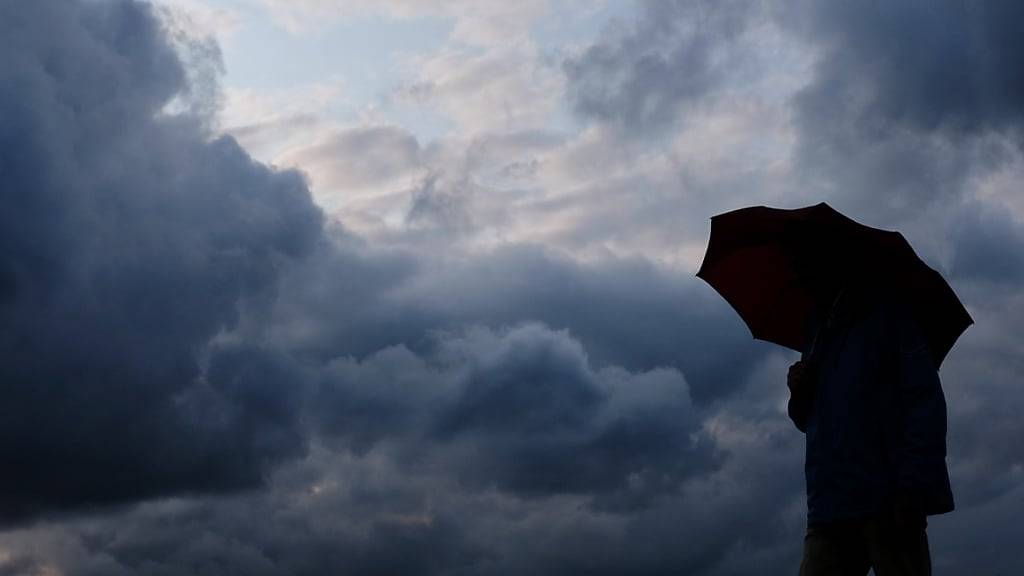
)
(407, 287)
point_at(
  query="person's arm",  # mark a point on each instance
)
(921, 468)
(801, 378)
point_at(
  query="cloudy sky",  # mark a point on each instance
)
(407, 287)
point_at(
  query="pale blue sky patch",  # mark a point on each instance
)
(363, 52)
(374, 53)
(575, 24)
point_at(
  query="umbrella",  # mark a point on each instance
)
(758, 259)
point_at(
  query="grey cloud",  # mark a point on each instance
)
(525, 411)
(644, 74)
(982, 393)
(947, 65)
(129, 240)
(390, 394)
(988, 246)
(521, 410)
(907, 101)
(341, 302)
(533, 418)
(469, 191)
(380, 513)
(220, 537)
(530, 382)
(181, 320)
(439, 209)
(626, 313)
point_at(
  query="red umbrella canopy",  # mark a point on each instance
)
(771, 265)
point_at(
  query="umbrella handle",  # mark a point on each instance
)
(811, 359)
(811, 356)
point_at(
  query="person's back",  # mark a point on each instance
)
(867, 395)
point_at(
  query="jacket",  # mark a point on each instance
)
(876, 424)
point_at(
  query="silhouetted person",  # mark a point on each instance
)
(866, 392)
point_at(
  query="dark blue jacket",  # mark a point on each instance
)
(876, 425)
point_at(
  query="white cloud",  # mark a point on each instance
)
(507, 89)
(477, 23)
(272, 124)
(210, 18)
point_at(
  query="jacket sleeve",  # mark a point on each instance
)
(799, 406)
(921, 474)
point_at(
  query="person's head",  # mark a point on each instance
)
(820, 272)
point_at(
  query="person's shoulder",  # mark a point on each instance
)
(898, 312)
(886, 314)
(878, 302)
(896, 318)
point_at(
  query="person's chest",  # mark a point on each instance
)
(852, 390)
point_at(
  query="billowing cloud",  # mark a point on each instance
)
(626, 313)
(521, 410)
(407, 505)
(130, 240)
(153, 276)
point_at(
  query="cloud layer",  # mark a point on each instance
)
(130, 241)
(490, 356)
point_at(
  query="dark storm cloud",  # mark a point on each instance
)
(130, 239)
(387, 547)
(927, 65)
(625, 312)
(988, 246)
(903, 97)
(520, 410)
(171, 306)
(532, 417)
(644, 74)
(300, 534)
(529, 411)
(410, 514)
